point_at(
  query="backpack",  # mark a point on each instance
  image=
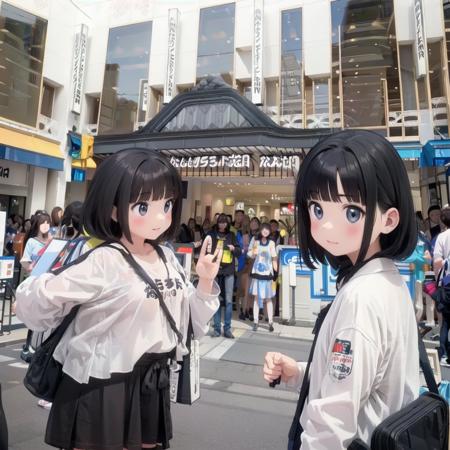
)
(442, 293)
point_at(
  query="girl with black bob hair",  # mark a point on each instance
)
(116, 353)
(355, 213)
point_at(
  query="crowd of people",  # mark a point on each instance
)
(248, 271)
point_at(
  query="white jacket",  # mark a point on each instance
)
(366, 362)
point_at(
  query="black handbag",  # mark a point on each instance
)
(44, 372)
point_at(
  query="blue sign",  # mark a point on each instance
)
(78, 175)
(323, 279)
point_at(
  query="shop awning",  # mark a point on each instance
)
(435, 153)
(32, 150)
(408, 150)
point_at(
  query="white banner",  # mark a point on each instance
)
(79, 65)
(169, 84)
(420, 41)
(257, 52)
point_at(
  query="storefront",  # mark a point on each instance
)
(25, 161)
(230, 153)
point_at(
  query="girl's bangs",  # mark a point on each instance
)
(320, 180)
(154, 183)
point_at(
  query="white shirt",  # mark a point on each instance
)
(366, 362)
(120, 318)
(32, 249)
(263, 264)
(442, 245)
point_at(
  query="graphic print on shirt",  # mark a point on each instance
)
(168, 287)
(264, 262)
(341, 360)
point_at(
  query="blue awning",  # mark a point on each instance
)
(27, 157)
(408, 150)
(435, 153)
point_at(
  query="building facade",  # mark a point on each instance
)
(108, 67)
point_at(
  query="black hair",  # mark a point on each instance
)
(72, 217)
(433, 208)
(239, 211)
(129, 176)
(56, 220)
(36, 221)
(373, 174)
(221, 219)
(445, 216)
(263, 226)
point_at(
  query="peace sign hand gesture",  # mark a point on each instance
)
(208, 263)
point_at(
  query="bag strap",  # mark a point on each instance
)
(426, 368)
(304, 391)
(141, 273)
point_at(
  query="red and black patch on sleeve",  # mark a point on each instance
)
(341, 362)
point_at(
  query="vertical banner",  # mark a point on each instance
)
(169, 84)
(79, 65)
(420, 40)
(257, 51)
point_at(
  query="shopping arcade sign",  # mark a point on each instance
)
(238, 165)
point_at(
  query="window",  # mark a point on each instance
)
(215, 53)
(365, 64)
(48, 94)
(291, 69)
(22, 48)
(437, 86)
(409, 93)
(125, 80)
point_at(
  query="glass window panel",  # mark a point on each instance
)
(22, 48)
(437, 86)
(126, 72)
(364, 60)
(47, 100)
(215, 52)
(291, 69)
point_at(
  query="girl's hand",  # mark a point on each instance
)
(208, 264)
(278, 365)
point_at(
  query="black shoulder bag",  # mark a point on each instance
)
(421, 425)
(44, 372)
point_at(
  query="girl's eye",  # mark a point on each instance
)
(353, 214)
(168, 206)
(316, 210)
(141, 208)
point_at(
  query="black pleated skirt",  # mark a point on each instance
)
(124, 411)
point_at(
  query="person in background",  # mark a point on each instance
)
(195, 236)
(35, 241)
(71, 213)
(441, 253)
(421, 222)
(433, 222)
(238, 218)
(223, 237)
(262, 251)
(56, 216)
(243, 237)
(206, 227)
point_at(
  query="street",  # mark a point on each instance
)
(237, 409)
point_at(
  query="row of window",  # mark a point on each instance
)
(372, 83)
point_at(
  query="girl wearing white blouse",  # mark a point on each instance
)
(120, 339)
(354, 212)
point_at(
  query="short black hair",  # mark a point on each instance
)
(73, 216)
(239, 211)
(130, 176)
(371, 173)
(274, 221)
(445, 216)
(433, 208)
